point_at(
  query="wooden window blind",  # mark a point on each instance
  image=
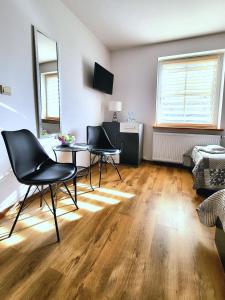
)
(52, 96)
(188, 91)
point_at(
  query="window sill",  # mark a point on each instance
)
(50, 121)
(187, 128)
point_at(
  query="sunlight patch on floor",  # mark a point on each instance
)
(89, 207)
(13, 240)
(107, 191)
(84, 205)
(116, 193)
(44, 227)
(101, 198)
(84, 185)
(67, 215)
(173, 216)
(62, 213)
(45, 209)
(37, 224)
(67, 201)
(3, 230)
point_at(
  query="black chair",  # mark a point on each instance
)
(32, 166)
(100, 146)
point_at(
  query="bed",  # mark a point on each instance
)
(209, 167)
(211, 212)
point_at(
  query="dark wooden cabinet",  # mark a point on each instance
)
(129, 138)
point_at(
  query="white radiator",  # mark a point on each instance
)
(170, 147)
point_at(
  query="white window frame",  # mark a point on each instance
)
(221, 71)
(44, 94)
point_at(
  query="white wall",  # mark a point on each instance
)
(78, 49)
(135, 71)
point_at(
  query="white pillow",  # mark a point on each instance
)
(211, 208)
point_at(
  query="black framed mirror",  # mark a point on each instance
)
(47, 84)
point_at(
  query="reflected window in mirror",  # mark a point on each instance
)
(48, 98)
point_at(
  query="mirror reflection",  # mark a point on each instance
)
(48, 81)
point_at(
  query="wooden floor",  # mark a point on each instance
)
(139, 239)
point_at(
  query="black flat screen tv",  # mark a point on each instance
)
(103, 79)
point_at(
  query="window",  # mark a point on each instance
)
(50, 96)
(188, 92)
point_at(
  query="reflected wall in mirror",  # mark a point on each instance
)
(47, 75)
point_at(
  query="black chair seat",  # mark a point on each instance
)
(32, 166)
(51, 173)
(101, 146)
(105, 152)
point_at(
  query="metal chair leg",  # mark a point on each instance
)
(114, 165)
(54, 213)
(90, 172)
(93, 160)
(105, 166)
(41, 201)
(74, 200)
(100, 171)
(75, 188)
(20, 209)
(55, 195)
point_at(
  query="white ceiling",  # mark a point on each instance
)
(126, 23)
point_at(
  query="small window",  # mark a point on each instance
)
(50, 91)
(189, 91)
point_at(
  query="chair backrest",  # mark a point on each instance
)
(24, 151)
(98, 138)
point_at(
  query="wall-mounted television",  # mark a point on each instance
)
(103, 79)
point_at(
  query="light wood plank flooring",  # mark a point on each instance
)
(136, 239)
